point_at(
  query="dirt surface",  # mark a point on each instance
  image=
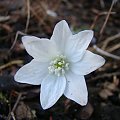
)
(38, 17)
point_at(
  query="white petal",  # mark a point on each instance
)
(60, 34)
(77, 44)
(88, 63)
(32, 73)
(52, 88)
(27, 39)
(76, 88)
(40, 49)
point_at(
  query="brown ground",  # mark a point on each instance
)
(103, 85)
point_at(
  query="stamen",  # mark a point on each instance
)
(59, 65)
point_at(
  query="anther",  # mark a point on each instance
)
(58, 66)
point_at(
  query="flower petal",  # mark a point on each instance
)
(32, 73)
(76, 88)
(60, 34)
(52, 88)
(40, 49)
(77, 44)
(88, 63)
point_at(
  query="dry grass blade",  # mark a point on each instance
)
(4, 18)
(16, 36)
(15, 105)
(28, 15)
(115, 47)
(10, 64)
(103, 76)
(106, 53)
(107, 17)
(109, 40)
(97, 17)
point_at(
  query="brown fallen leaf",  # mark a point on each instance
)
(23, 112)
(109, 88)
(105, 93)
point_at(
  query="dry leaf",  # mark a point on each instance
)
(109, 88)
(105, 93)
(23, 112)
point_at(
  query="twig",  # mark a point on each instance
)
(11, 63)
(113, 48)
(28, 16)
(26, 28)
(15, 105)
(107, 17)
(13, 116)
(106, 53)
(109, 40)
(103, 76)
(4, 18)
(16, 36)
(97, 17)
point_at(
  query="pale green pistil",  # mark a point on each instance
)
(58, 65)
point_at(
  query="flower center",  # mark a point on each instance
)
(58, 65)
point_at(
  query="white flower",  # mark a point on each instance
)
(59, 65)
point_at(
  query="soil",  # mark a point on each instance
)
(103, 84)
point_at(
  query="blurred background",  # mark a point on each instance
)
(38, 18)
